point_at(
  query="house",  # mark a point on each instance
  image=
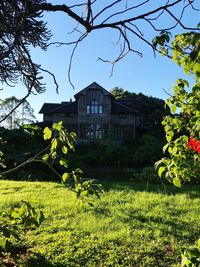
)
(94, 114)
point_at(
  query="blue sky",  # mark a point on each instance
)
(148, 75)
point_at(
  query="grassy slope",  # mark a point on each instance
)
(127, 227)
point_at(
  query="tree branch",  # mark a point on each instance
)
(63, 8)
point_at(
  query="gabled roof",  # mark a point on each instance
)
(93, 85)
(117, 108)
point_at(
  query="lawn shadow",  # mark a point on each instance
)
(193, 191)
(37, 259)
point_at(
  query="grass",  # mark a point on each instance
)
(128, 226)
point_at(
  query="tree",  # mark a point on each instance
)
(183, 128)
(152, 110)
(120, 93)
(16, 117)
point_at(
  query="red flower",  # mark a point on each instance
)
(194, 144)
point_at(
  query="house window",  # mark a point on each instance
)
(94, 108)
(92, 131)
(94, 101)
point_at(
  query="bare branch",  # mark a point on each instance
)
(63, 8)
(123, 51)
(53, 76)
(179, 21)
(135, 26)
(126, 10)
(141, 16)
(89, 11)
(105, 8)
(72, 56)
(143, 39)
(81, 5)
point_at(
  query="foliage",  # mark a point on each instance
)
(53, 155)
(14, 118)
(19, 145)
(15, 220)
(183, 163)
(21, 27)
(151, 109)
(102, 155)
(119, 93)
(61, 143)
(184, 52)
(191, 257)
(127, 226)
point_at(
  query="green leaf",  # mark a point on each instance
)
(45, 157)
(184, 261)
(177, 182)
(160, 171)
(63, 162)
(165, 147)
(54, 144)
(57, 126)
(40, 218)
(4, 243)
(170, 149)
(169, 136)
(54, 155)
(64, 150)
(65, 177)
(47, 133)
(173, 109)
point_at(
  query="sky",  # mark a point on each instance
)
(148, 74)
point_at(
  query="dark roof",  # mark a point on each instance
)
(93, 85)
(47, 107)
(64, 107)
(130, 102)
(117, 108)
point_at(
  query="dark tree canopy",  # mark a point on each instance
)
(22, 25)
(20, 28)
(152, 110)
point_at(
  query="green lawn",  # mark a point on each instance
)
(128, 226)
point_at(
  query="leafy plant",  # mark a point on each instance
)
(191, 257)
(55, 155)
(22, 217)
(61, 143)
(183, 163)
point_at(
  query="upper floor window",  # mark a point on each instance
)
(94, 108)
(94, 101)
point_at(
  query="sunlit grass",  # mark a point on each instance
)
(128, 226)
